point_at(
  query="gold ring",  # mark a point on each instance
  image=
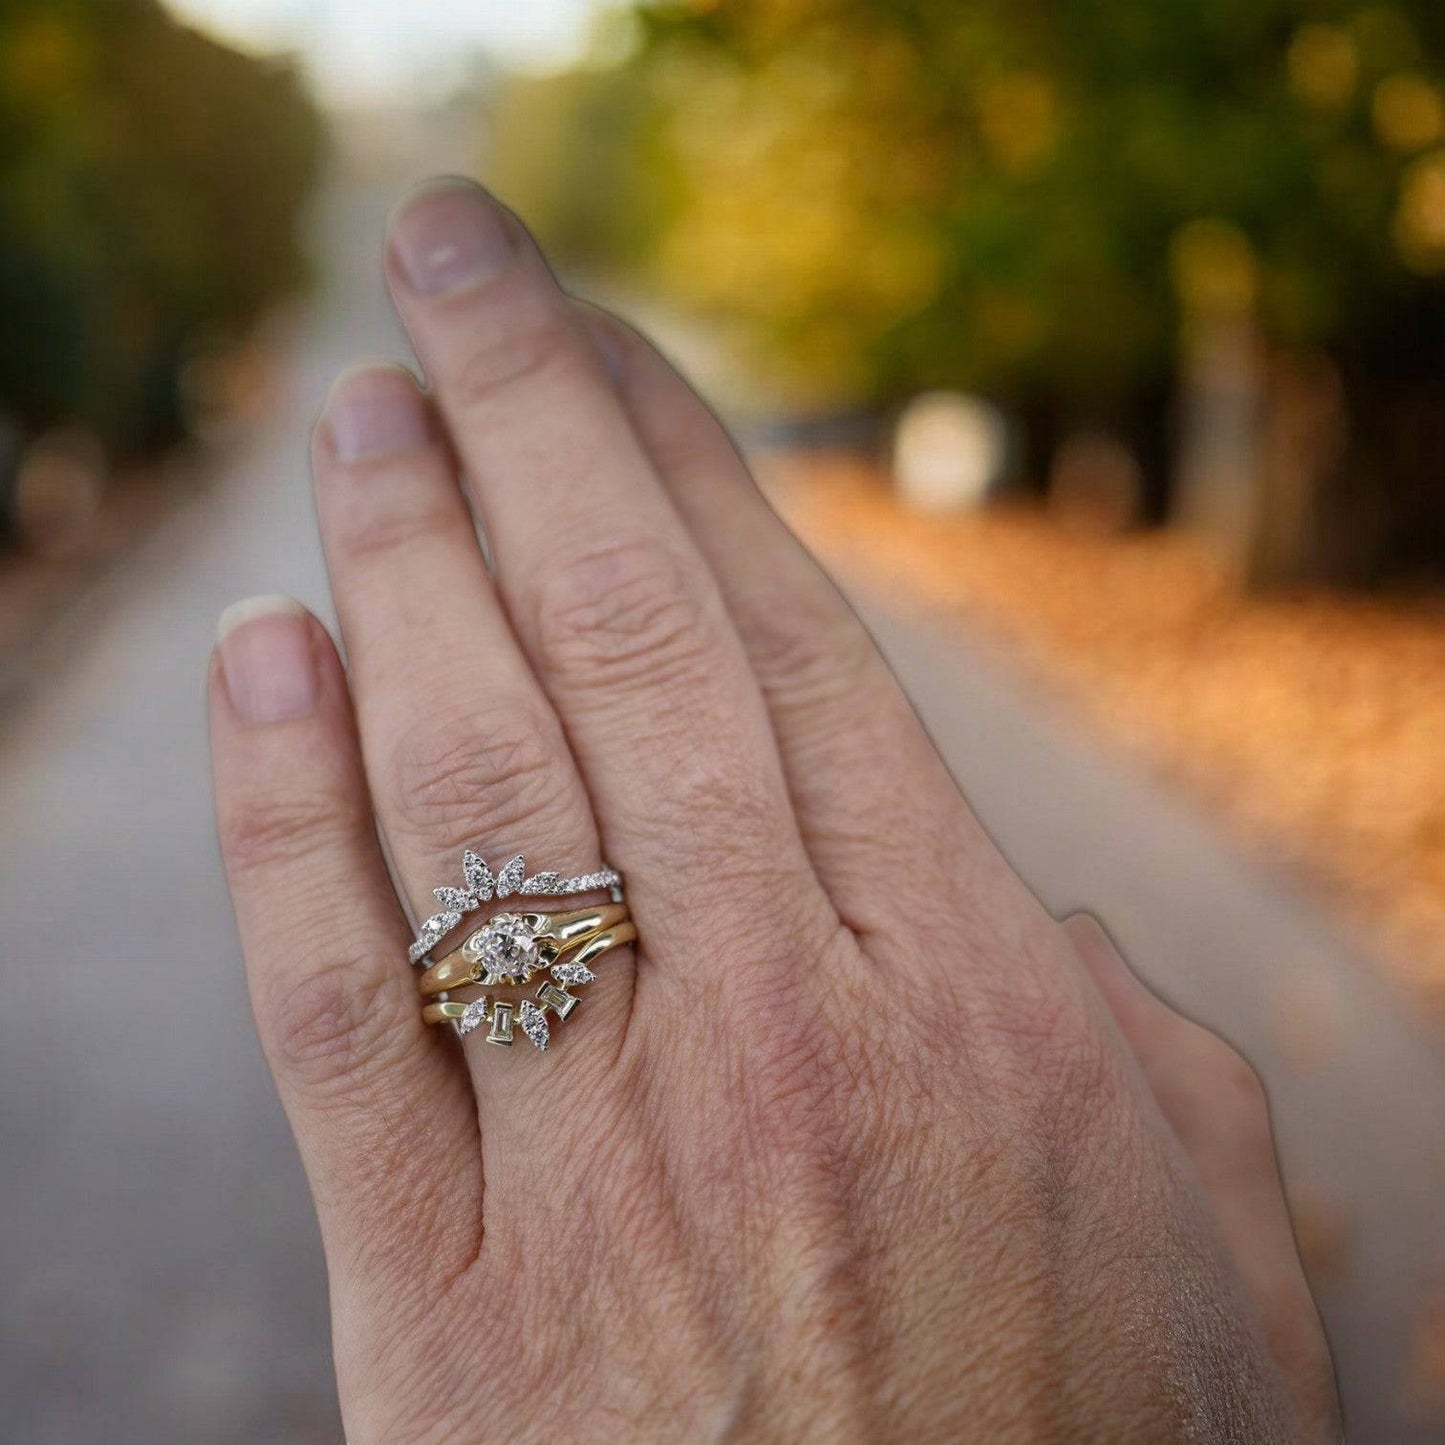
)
(571, 967)
(511, 947)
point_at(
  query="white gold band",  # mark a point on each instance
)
(481, 884)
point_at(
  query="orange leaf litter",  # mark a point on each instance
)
(1312, 722)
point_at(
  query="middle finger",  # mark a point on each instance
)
(610, 596)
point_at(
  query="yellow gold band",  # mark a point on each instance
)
(571, 969)
(523, 944)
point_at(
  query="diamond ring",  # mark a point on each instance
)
(480, 884)
(510, 949)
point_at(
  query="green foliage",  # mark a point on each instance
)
(150, 186)
(558, 153)
(1027, 197)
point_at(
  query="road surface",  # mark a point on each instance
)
(160, 1275)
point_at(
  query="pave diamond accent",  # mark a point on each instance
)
(506, 948)
(534, 1024)
(436, 927)
(456, 900)
(568, 974)
(474, 1017)
(482, 884)
(555, 885)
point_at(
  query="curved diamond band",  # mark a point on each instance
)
(480, 884)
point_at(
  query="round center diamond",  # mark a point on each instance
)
(505, 948)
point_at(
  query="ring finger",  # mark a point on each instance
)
(460, 744)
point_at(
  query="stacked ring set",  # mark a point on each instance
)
(512, 948)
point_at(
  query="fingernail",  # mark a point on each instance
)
(376, 412)
(449, 237)
(267, 660)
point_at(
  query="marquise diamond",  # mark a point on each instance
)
(534, 1023)
(568, 974)
(474, 1017)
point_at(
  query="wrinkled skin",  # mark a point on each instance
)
(860, 1144)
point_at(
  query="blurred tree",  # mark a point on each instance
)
(150, 186)
(1052, 202)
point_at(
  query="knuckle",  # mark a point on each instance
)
(806, 650)
(324, 1026)
(1215, 1101)
(452, 778)
(794, 1080)
(631, 609)
(382, 527)
(678, 444)
(738, 838)
(269, 832)
(500, 358)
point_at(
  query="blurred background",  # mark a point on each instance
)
(1097, 347)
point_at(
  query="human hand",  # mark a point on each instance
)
(860, 1144)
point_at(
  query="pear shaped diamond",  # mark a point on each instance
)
(478, 875)
(510, 876)
(572, 973)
